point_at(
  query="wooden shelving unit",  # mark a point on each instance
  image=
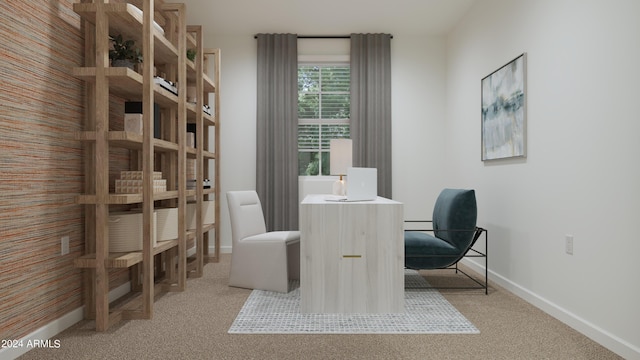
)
(207, 62)
(162, 267)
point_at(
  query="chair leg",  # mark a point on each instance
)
(293, 261)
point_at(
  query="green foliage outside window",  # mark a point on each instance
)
(324, 106)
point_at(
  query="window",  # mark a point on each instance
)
(324, 106)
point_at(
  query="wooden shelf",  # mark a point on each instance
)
(191, 43)
(208, 120)
(126, 20)
(208, 155)
(128, 140)
(191, 152)
(122, 260)
(208, 85)
(192, 116)
(124, 199)
(127, 84)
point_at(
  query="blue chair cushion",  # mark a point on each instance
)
(420, 243)
(425, 251)
(454, 222)
(455, 210)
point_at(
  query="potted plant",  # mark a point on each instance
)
(191, 54)
(123, 53)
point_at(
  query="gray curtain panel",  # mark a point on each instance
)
(371, 105)
(277, 130)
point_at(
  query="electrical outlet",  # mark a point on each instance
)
(64, 245)
(568, 244)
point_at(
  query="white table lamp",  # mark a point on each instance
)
(341, 154)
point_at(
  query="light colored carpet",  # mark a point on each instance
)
(194, 325)
(427, 312)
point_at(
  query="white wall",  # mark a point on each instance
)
(418, 68)
(581, 173)
(418, 112)
(237, 120)
(581, 176)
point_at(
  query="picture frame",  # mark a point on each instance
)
(504, 111)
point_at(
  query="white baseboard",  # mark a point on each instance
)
(44, 333)
(55, 327)
(602, 337)
(223, 250)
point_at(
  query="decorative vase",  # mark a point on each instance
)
(123, 63)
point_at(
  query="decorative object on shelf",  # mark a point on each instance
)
(193, 129)
(206, 109)
(340, 159)
(191, 94)
(191, 139)
(135, 107)
(133, 123)
(191, 184)
(504, 111)
(130, 182)
(191, 54)
(123, 53)
(166, 84)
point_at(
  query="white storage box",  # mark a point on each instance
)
(208, 214)
(125, 231)
(167, 220)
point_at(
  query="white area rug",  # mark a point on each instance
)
(426, 312)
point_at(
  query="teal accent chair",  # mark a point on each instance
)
(452, 236)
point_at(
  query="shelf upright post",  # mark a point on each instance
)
(170, 132)
(89, 274)
(148, 290)
(181, 27)
(216, 183)
(102, 168)
(200, 243)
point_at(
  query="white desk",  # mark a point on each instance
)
(351, 256)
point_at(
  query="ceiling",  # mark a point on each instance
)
(327, 17)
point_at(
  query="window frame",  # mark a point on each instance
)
(323, 61)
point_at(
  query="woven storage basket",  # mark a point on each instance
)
(125, 231)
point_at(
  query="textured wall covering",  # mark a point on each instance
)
(41, 105)
(40, 164)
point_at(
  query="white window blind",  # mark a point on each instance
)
(323, 112)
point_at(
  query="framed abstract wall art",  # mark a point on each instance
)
(504, 111)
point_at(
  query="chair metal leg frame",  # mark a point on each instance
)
(478, 232)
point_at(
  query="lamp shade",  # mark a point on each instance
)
(340, 158)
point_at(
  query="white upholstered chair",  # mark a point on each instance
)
(260, 259)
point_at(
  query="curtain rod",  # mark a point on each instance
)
(321, 36)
